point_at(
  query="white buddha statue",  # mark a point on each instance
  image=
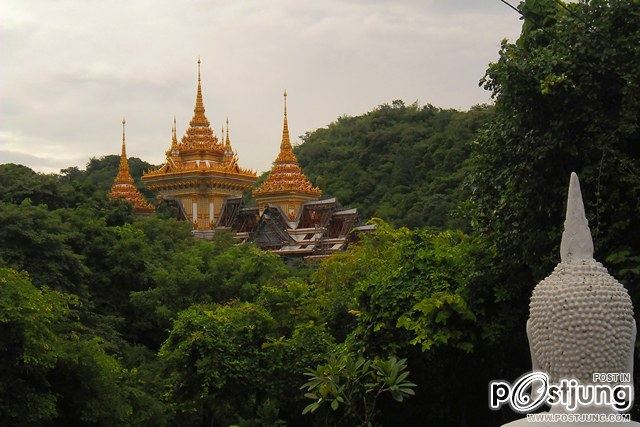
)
(580, 318)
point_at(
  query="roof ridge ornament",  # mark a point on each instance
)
(577, 243)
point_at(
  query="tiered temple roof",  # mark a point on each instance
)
(200, 150)
(286, 177)
(123, 185)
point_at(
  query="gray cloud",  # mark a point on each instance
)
(71, 69)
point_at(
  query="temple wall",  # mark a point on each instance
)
(205, 205)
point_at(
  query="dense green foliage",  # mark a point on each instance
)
(402, 163)
(53, 368)
(161, 328)
(567, 99)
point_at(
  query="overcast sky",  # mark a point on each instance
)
(71, 69)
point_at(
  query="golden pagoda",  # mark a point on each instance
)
(123, 186)
(286, 186)
(200, 171)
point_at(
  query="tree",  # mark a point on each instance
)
(428, 296)
(212, 358)
(199, 273)
(29, 347)
(18, 183)
(51, 372)
(38, 241)
(566, 99)
(352, 385)
(98, 176)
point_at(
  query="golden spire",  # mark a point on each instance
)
(123, 168)
(286, 150)
(200, 150)
(286, 175)
(199, 134)
(199, 108)
(123, 186)
(227, 142)
(174, 137)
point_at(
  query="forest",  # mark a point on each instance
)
(111, 319)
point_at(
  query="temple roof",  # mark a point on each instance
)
(123, 185)
(200, 150)
(286, 175)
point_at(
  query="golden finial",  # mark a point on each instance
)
(199, 117)
(285, 103)
(286, 142)
(228, 140)
(174, 137)
(124, 150)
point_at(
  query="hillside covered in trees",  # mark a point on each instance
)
(403, 163)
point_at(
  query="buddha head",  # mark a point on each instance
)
(580, 317)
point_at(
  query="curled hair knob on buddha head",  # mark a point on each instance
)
(576, 243)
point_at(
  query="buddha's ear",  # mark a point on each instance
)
(534, 362)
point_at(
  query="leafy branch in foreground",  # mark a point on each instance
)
(351, 385)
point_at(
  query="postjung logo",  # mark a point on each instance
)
(533, 390)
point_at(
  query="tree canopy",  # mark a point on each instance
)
(402, 163)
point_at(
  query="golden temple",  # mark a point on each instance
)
(286, 186)
(200, 171)
(202, 178)
(123, 185)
